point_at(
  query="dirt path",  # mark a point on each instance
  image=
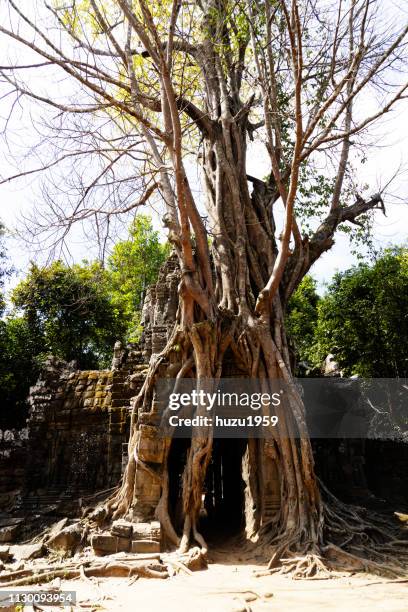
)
(229, 585)
(225, 587)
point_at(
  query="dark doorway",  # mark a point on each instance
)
(223, 513)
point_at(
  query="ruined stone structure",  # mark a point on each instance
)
(78, 429)
(78, 425)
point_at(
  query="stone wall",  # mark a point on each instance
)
(78, 425)
(160, 308)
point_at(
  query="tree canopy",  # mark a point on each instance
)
(363, 318)
(151, 83)
(133, 266)
(301, 320)
(70, 309)
(4, 270)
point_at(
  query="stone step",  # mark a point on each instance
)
(120, 403)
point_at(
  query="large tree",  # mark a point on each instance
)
(159, 82)
(363, 318)
(69, 311)
(133, 266)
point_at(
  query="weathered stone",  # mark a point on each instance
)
(25, 552)
(141, 531)
(104, 543)
(155, 530)
(108, 544)
(146, 531)
(8, 533)
(145, 546)
(150, 446)
(122, 529)
(57, 527)
(5, 554)
(67, 540)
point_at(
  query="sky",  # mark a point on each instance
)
(385, 155)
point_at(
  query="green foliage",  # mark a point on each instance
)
(314, 192)
(301, 319)
(133, 266)
(75, 313)
(19, 368)
(70, 309)
(363, 320)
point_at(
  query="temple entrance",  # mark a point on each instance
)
(231, 502)
(222, 514)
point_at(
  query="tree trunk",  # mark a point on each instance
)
(243, 255)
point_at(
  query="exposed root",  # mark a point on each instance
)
(108, 569)
(187, 563)
(353, 539)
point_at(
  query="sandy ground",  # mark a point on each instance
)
(229, 585)
(224, 587)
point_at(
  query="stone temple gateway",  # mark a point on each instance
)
(76, 445)
(78, 429)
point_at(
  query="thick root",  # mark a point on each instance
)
(353, 540)
(69, 572)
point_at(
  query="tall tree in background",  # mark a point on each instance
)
(301, 321)
(156, 83)
(134, 265)
(363, 318)
(3, 268)
(70, 313)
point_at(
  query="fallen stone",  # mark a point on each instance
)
(57, 527)
(122, 529)
(147, 531)
(141, 531)
(66, 540)
(5, 553)
(8, 533)
(195, 560)
(145, 546)
(108, 544)
(25, 552)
